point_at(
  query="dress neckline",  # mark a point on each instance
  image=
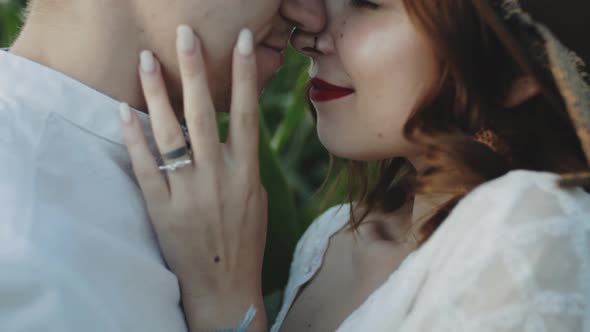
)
(339, 222)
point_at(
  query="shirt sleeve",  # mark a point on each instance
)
(27, 302)
(516, 258)
(38, 295)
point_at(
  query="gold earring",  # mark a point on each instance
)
(493, 141)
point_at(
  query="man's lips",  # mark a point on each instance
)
(279, 49)
(322, 91)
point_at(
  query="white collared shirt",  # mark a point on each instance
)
(77, 252)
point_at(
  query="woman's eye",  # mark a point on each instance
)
(364, 4)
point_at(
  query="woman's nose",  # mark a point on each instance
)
(308, 16)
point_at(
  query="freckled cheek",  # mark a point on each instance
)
(368, 54)
(354, 43)
(389, 67)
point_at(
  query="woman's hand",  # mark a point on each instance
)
(209, 216)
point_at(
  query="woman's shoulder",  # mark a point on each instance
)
(525, 195)
(518, 181)
(514, 253)
(522, 210)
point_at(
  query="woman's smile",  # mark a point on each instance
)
(323, 91)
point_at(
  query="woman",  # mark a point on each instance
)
(471, 109)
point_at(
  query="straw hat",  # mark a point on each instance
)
(549, 40)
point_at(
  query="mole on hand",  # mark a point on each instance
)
(217, 259)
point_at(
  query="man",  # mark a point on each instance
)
(77, 252)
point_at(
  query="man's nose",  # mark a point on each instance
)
(308, 16)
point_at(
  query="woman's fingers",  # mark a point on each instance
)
(212, 233)
(243, 132)
(150, 179)
(198, 105)
(167, 131)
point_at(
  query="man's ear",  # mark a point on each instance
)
(521, 90)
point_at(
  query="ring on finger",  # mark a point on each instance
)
(177, 153)
(173, 157)
(176, 165)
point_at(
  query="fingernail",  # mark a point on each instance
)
(245, 42)
(185, 38)
(125, 113)
(148, 64)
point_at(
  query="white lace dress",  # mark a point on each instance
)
(514, 255)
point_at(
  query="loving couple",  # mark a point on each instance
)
(473, 216)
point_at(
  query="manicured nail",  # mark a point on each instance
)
(245, 42)
(148, 63)
(185, 38)
(125, 113)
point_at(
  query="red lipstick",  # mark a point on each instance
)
(322, 91)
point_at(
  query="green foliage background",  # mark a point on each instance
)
(293, 162)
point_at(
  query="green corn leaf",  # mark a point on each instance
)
(283, 228)
(283, 222)
(295, 115)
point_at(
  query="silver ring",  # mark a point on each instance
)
(176, 165)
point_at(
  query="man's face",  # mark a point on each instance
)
(218, 23)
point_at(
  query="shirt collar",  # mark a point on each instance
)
(46, 90)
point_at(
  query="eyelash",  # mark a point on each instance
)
(364, 4)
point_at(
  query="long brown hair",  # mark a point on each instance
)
(466, 104)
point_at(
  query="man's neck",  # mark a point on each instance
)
(97, 46)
